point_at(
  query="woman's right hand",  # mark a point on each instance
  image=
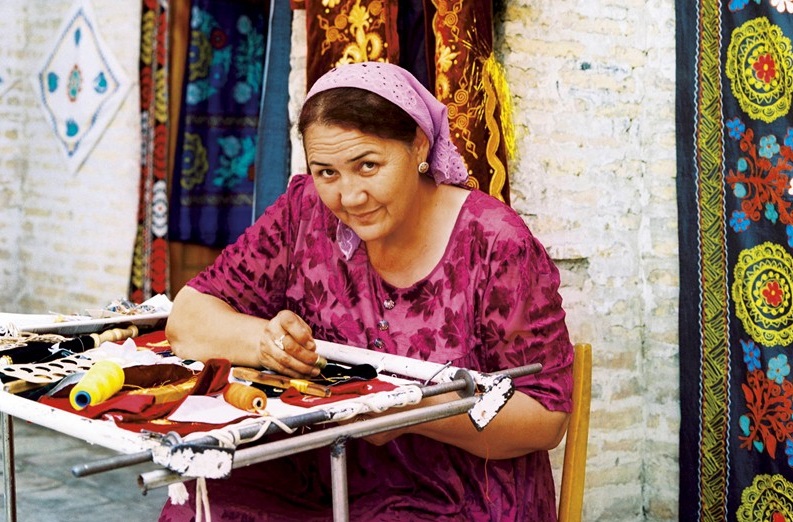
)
(287, 346)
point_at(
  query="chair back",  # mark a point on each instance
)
(571, 492)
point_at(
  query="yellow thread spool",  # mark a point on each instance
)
(98, 384)
(245, 397)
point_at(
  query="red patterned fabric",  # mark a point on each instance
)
(491, 303)
(350, 31)
(338, 392)
(150, 257)
(463, 73)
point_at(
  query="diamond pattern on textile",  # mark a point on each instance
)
(5, 79)
(79, 84)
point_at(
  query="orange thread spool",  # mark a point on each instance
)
(245, 397)
(98, 384)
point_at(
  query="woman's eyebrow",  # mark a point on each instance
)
(359, 156)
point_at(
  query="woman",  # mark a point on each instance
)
(379, 247)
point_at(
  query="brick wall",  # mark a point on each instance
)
(65, 239)
(594, 177)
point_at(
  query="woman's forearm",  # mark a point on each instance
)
(201, 327)
(522, 426)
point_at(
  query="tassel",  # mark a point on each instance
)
(178, 493)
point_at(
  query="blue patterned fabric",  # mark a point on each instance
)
(735, 201)
(79, 85)
(273, 146)
(213, 181)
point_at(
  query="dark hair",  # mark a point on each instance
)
(358, 109)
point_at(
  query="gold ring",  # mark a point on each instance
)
(321, 362)
(279, 343)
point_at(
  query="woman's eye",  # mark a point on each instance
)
(368, 166)
(324, 173)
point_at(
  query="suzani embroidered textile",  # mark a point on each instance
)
(213, 182)
(150, 256)
(79, 84)
(448, 44)
(5, 79)
(735, 199)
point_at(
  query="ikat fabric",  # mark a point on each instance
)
(79, 84)
(213, 182)
(735, 200)
(150, 268)
(456, 48)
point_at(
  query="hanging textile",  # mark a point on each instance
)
(349, 31)
(463, 72)
(471, 82)
(273, 146)
(150, 255)
(735, 200)
(79, 84)
(212, 189)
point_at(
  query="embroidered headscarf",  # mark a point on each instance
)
(401, 88)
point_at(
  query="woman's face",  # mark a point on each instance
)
(368, 182)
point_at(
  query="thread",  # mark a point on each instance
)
(300, 385)
(245, 397)
(98, 384)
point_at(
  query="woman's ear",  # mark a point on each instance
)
(421, 145)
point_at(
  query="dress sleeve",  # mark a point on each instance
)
(251, 274)
(523, 319)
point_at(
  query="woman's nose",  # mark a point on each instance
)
(351, 191)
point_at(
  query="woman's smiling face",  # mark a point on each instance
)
(369, 183)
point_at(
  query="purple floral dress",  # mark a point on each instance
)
(491, 303)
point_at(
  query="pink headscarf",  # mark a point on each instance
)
(401, 88)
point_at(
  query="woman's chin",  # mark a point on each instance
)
(366, 232)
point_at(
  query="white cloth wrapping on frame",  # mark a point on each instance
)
(79, 84)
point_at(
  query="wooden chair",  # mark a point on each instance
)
(571, 492)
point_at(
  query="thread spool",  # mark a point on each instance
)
(98, 384)
(245, 397)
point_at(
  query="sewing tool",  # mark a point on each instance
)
(280, 381)
(37, 349)
(245, 397)
(98, 384)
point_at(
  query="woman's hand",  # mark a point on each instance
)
(287, 346)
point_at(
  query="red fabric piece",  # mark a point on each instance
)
(154, 341)
(139, 412)
(338, 393)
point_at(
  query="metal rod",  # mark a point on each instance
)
(9, 472)
(319, 439)
(120, 461)
(338, 475)
(295, 421)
